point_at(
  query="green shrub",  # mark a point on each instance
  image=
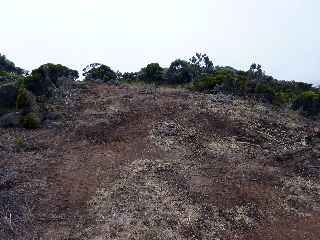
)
(26, 102)
(8, 96)
(265, 91)
(20, 143)
(180, 72)
(130, 77)
(4, 74)
(97, 71)
(8, 66)
(221, 77)
(207, 83)
(30, 121)
(152, 73)
(308, 103)
(23, 100)
(44, 79)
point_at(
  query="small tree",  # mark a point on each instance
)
(265, 92)
(130, 77)
(308, 103)
(9, 67)
(180, 72)
(99, 72)
(46, 78)
(30, 121)
(152, 73)
(222, 77)
(201, 64)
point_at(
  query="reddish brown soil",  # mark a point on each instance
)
(219, 156)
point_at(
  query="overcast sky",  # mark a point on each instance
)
(282, 35)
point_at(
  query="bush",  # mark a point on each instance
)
(180, 72)
(8, 96)
(224, 78)
(20, 143)
(207, 83)
(26, 102)
(46, 78)
(4, 74)
(201, 64)
(152, 73)
(130, 77)
(308, 103)
(30, 121)
(23, 100)
(99, 72)
(9, 67)
(265, 92)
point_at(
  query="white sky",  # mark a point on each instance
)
(282, 35)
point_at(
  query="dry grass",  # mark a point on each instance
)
(128, 162)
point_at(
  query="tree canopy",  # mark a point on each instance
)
(9, 67)
(198, 73)
(99, 72)
(152, 73)
(48, 76)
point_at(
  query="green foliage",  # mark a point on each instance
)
(97, 71)
(198, 72)
(152, 73)
(243, 80)
(207, 83)
(30, 121)
(20, 143)
(180, 72)
(7, 77)
(4, 74)
(281, 98)
(9, 67)
(8, 96)
(201, 64)
(308, 103)
(23, 100)
(265, 92)
(130, 77)
(46, 77)
(26, 102)
(256, 83)
(225, 79)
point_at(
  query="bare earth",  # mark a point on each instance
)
(129, 162)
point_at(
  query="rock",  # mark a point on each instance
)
(53, 116)
(51, 124)
(10, 120)
(7, 179)
(168, 129)
(220, 98)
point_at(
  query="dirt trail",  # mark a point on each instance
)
(130, 162)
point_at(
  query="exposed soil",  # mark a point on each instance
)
(128, 162)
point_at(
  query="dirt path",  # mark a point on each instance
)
(128, 163)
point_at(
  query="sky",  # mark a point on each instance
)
(281, 35)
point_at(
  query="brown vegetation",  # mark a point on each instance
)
(124, 162)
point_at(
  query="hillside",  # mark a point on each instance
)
(134, 162)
